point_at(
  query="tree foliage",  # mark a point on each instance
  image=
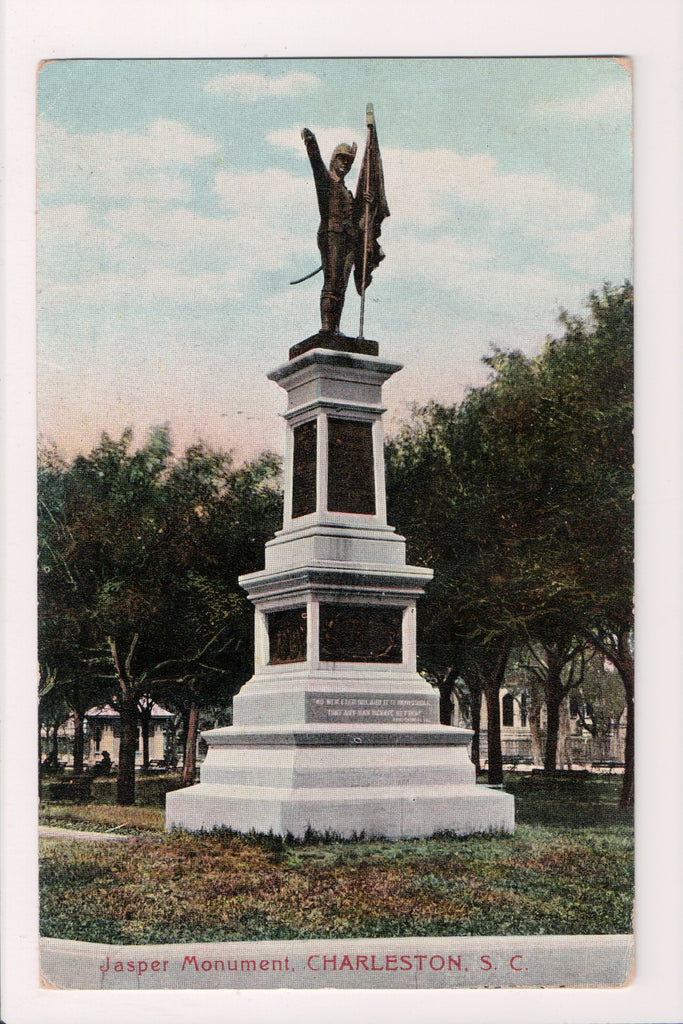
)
(520, 498)
(138, 562)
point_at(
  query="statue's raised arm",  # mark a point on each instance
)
(320, 173)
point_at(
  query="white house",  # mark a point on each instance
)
(576, 745)
(104, 733)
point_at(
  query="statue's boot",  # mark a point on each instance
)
(330, 312)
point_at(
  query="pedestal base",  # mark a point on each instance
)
(394, 782)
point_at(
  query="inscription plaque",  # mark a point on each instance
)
(351, 632)
(304, 469)
(371, 708)
(287, 636)
(351, 476)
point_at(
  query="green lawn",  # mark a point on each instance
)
(568, 869)
(103, 818)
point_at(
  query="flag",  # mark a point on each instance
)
(371, 208)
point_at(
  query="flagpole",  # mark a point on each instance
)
(369, 121)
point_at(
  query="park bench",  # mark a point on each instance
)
(512, 761)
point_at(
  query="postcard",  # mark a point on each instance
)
(178, 222)
(335, 534)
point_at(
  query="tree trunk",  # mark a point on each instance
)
(184, 726)
(145, 715)
(626, 671)
(621, 657)
(490, 675)
(552, 705)
(553, 698)
(535, 706)
(125, 787)
(475, 705)
(564, 747)
(445, 688)
(190, 760)
(78, 741)
(55, 745)
(492, 693)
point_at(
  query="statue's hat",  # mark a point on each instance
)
(345, 150)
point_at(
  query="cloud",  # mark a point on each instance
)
(423, 185)
(190, 233)
(610, 103)
(146, 253)
(72, 218)
(112, 164)
(246, 86)
(604, 245)
(270, 196)
(71, 242)
(449, 276)
(151, 258)
(141, 287)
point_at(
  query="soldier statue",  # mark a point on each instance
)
(339, 227)
(350, 226)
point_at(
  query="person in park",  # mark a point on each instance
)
(349, 226)
(103, 766)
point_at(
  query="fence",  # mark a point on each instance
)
(583, 751)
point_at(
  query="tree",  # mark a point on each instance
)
(600, 701)
(520, 499)
(151, 602)
(53, 712)
(234, 513)
(66, 679)
(551, 670)
(444, 494)
(588, 377)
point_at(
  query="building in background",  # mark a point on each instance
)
(523, 743)
(103, 733)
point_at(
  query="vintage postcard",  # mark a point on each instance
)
(335, 532)
(347, 696)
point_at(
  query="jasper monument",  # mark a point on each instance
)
(337, 732)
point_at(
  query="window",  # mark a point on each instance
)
(508, 709)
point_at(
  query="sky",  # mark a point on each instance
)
(176, 203)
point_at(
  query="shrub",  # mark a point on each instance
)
(149, 791)
(72, 790)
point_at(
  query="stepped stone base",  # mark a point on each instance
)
(336, 731)
(397, 782)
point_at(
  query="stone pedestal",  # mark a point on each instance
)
(336, 731)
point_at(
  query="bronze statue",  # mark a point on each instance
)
(349, 226)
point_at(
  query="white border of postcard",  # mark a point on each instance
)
(651, 33)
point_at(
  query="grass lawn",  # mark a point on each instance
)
(103, 818)
(568, 869)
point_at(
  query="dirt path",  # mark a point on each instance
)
(80, 835)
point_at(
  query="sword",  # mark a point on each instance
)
(312, 274)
